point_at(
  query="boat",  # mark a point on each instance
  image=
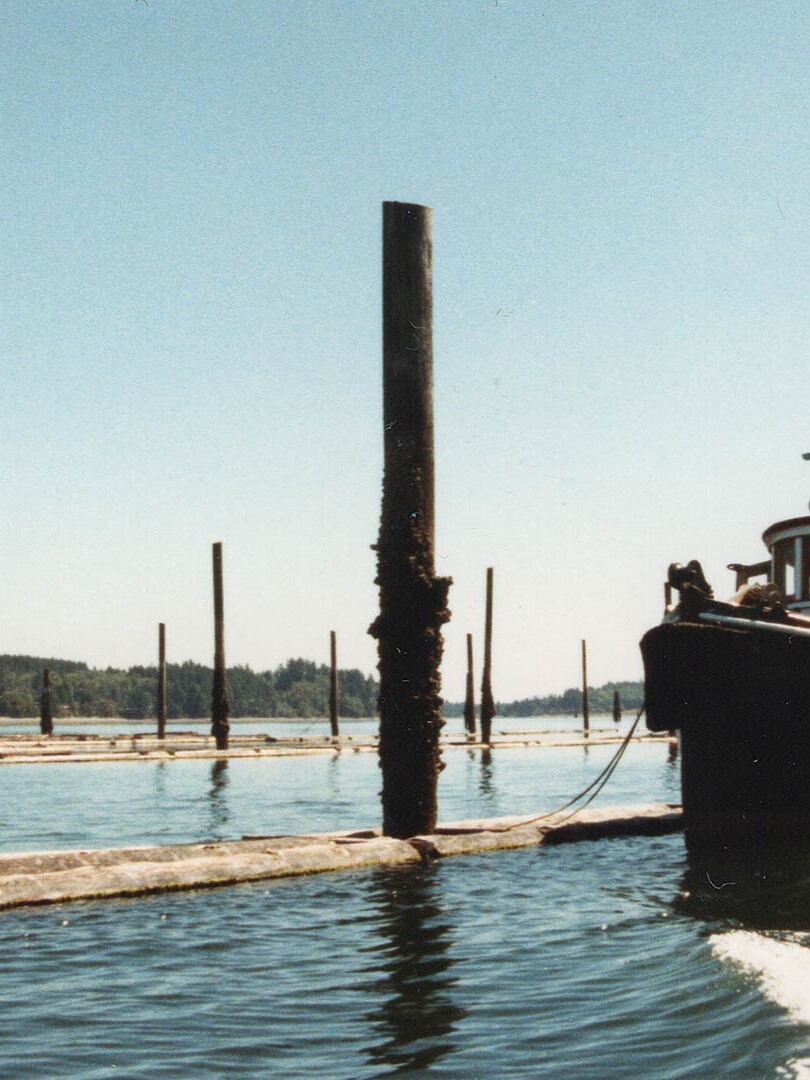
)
(732, 679)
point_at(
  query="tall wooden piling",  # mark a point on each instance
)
(469, 698)
(413, 600)
(333, 685)
(586, 715)
(617, 708)
(219, 698)
(45, 706)
(161, 686)
(487, 700)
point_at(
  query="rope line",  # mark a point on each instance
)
(598, 783)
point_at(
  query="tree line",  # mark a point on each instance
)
(298, 688)
(568, 703)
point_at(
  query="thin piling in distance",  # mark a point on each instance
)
(45, 706)
(413, 600)
(219, 697)
(333, 686)
(469, 698)
(161, 686)
(617, 707)
(487, 700)
(586, 714)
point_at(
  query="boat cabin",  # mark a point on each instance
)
(789, 565)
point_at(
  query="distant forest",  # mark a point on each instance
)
(299, 688)
(568, 703)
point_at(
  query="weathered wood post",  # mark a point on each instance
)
(161, 686)
(617, 708)
(413, 601)
(586, 715)
(219, 698)
(469, 699)
(333, 685)
(45, 707)
(487, 700)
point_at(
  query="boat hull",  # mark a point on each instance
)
(740, 700)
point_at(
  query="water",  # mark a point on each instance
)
(102, 804)
(605, 960)
(317, 726)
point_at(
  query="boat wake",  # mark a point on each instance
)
(781, 966)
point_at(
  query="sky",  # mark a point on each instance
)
(190, 296)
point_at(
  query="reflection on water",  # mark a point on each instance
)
(160, 783)
(485, 784)
(217, 799)
(409, 966)
(333, 777)
(757, 889)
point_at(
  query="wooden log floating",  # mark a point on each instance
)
(413, 600)
(76, 750)
(59, 876)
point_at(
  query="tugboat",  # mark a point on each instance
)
(732, 678)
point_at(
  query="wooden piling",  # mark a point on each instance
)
(469, 699)
(161, 687)
(219, 698)
(413, 601)
(617, 708)
(45, 707)
(487, 700)
(586, 715)
(333, 685)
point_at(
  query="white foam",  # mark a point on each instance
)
(782, 968)
(795, 1069)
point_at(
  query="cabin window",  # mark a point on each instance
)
(805, 575)
(784, 567)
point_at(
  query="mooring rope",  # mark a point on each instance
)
(597, 784)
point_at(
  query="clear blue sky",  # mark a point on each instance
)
(190, 288)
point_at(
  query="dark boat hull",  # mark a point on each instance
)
(740, 700)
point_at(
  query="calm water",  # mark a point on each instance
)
(284, 729)
(130, 802)
(597, 960)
